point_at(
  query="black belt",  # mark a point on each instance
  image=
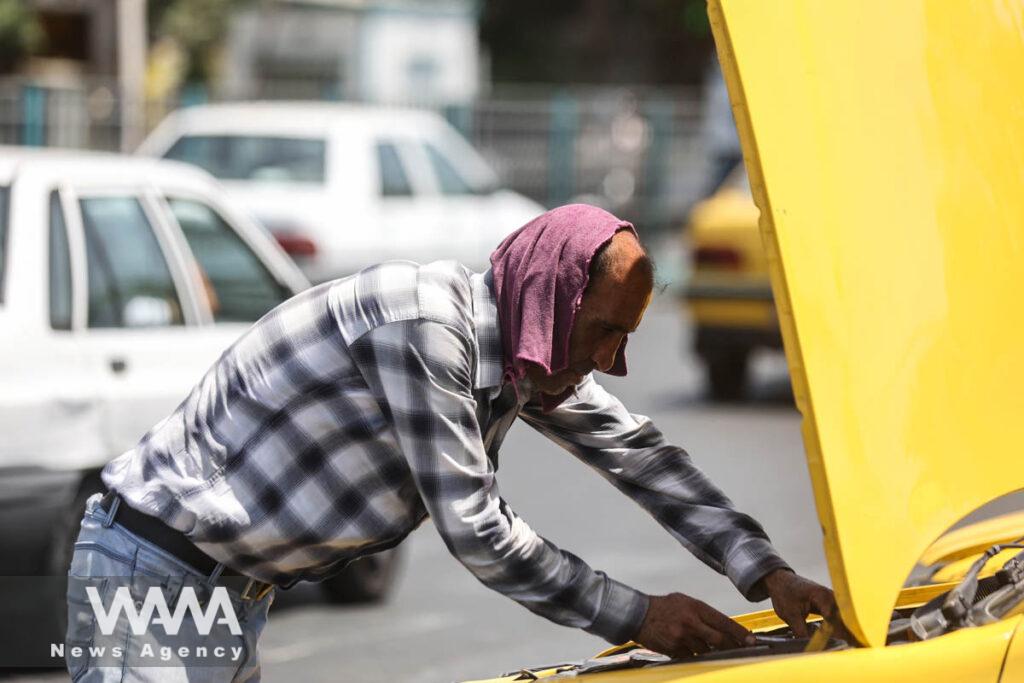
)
(176, 543)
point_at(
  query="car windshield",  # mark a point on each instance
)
(259, 158)
(5, 193)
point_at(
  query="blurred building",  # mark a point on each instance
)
(75, 37)
(81, 38)
(383, 51)
(638, 148)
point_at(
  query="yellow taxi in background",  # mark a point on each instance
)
(729, 296)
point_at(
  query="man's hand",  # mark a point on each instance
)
(794, 597)
(680, 626)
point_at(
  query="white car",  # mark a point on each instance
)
(122, 280)
(343, 186)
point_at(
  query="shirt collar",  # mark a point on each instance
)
(490, 364)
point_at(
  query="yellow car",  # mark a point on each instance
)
(729, 295)
(885, 145)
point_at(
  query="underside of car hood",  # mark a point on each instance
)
(972, 649)
(885, 147)
(967, 654)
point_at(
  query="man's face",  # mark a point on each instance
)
(613, 305)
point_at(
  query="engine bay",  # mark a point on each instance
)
(779, 641)
(974, 601)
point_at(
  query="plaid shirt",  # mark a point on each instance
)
(350, 413)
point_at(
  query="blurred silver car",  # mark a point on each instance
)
(343, 186)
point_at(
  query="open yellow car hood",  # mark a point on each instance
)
(885, 146)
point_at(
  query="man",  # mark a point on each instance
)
(352, 412)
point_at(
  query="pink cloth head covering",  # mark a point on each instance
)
(540, 272)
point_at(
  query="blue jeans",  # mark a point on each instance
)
(136, 613)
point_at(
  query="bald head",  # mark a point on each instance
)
(624, 260)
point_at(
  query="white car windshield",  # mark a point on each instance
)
(258, 158)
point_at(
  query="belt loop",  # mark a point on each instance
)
(215, 574)
(109, 519)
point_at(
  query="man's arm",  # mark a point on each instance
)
(632, 454)
(421, 374)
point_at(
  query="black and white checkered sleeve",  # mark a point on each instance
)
(422, 373)
(631, 453)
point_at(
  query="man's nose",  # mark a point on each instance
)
(604, 356)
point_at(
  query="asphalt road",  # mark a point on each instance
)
(442, 625)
